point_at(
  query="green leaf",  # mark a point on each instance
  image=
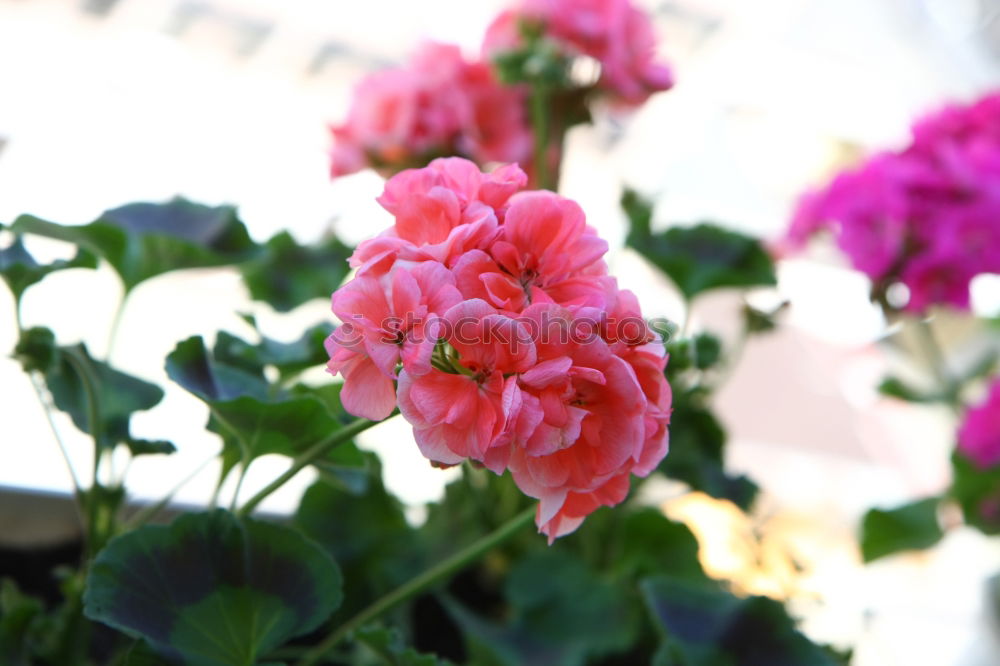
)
(699, 258)
(652, 543)
(20, 615)
(561, 614)
(287, 274)
(20, 270)
(253, 418)
(140, 654)
(191, 366)
(697, 441)
(477, 502)
(639, 212)
(894, 387)
(977, 490)
(143, 240)
(912, 526)
(212, 590)
(705, 625)
(140, 447)
(288, 358)
(74, 378)
(366, 533)
(388, 646)
(538, 61)
(707, 350)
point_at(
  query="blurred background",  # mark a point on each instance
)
(105, 102)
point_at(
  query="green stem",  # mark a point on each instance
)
(244, 466)
(94, 426)
(937, 362)
(540, 125)
(116, 324)
(307, 457)
(47, 409)
(418, 584)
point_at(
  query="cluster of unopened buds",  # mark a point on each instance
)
(487, 316)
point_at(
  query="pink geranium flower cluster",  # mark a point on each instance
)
(437, 104)
(979, 435)
(927, 216)
(486, 314)
(615, 33)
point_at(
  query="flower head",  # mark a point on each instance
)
(438, 103)
(927, 216)
(486, 313)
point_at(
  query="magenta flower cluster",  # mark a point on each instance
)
(926, 216)
(979, 435)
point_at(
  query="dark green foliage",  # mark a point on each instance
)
(143, 240)
(365, 532)
(705, 625)
(651, 543)
(288, 358)
(84, 387)
(698, 258)
(896, 388)
(288, 274)
(211, 590)
(20, 618)
(254, 418)
(20, 270)
(560, 614)
(697, 442)
(912, 526)
(706, 349)
(387, 647)
(977, 491)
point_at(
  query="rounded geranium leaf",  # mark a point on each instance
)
(703, 623)
(143, 240)
(912, 526)
(74, 378)
(287, 274)
(211, 590)
(20, 270)
(701, 257)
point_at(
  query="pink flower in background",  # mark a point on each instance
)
(436, 104)
(979, 434)
(442, 211)
(513, 346)
(616, 34)
(927, 216)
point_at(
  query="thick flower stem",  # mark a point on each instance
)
(419, 583)
(540, 124)
(307, 457)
